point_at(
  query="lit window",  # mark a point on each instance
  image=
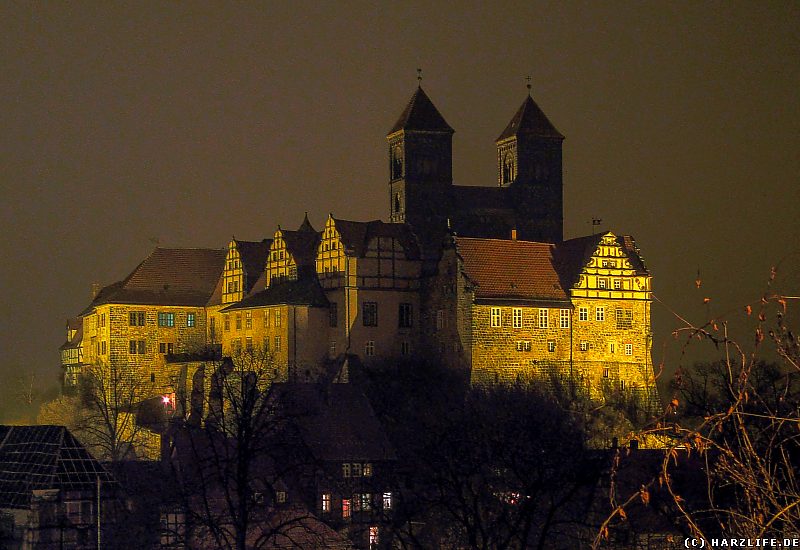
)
(602, 283)
(356, 469)
(551, 346)
(366, 502)
(166, 319)
(516, 317)
(367, 469)
(563, 317)
(248, 319)
(617, 284)
(326, 502)
(387, 501)
(523, 345)
(346, 469)
(333, 314)
(495, 317)
(277, 343)
(369, 314)
(345, 508)
(583, 314)
(190, 320)
(600, 314)
(543, 318)
(332, 348)
(369, 348)
(605, 373)
(405, 316)
(373, 536)
(280, 497)
(278, 320)
(584, 346)
(628, 349)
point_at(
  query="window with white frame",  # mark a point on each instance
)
(523, 345)
(387, 501)
(584, 346)
(602, 283)
(496, 319)
(543, 318)
(326, 503)
(373, 537)
(346, 469)
(599, 314)
(551, 346)
(583, 314)
(606, 372)
(516, 317)
(617, 284)
(563, 317)
(628, 349)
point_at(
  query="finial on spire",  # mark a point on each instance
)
(528, 85)
(419, 77)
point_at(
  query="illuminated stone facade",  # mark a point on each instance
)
(479, 277)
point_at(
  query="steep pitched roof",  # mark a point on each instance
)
(253, 255)
(421, 114)
(336, 421)
(76, 324)
(571, 257)
(168, 276)
(530, 120)
(44, 457)
(303, 291)
(357, 235)
(302, 244)
(629, 246)
(511, 270)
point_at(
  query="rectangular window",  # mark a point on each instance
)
(162, 347)
(166, 319)
(332, 348)
(266, 318)
(563, 317)
(136, 318)
(405, 317)
(356, 502)
(622, 385)
(628, 349)
(366, 502)
(132, 347)
(326, 503)
(405, 347)
(345, 508)
(356, 468)
(248, 319)
(369, 348)
(249, 344)
(624, 318)
(373, 537)
(602, 283)
(584, 346)
(369, 314)
(238, 321)
(367, 469)
(236, 344)
(103, 348)
(387, 501)
(333, 314)
(280, 497)
(140, 347)
(346, 469)
(496, 319)
(599, 314)
(226, 320)
(516, 317)
(190, 320)
(617, 284)
(172, 528)
(551, 346)
(606, 372)
(523, 345)
(543, 318)
(612, 347)
(278, 319)
(277, 343)
(583, 314)
(440, 319)
(213, 327)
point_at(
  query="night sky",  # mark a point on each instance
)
(187, 123)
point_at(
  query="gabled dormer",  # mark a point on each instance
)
(243, 266)
(330, 261)
(613, 269)
(292, 254)
(233, 275)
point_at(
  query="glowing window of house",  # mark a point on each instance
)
(248, 319)
(369, 348)
(405, 317)
(551, 346)
(606, 372)
(166, 319)
(602, 283)
(278, 318)
(516, 317)
(346, 469)
(373, 536)
(543, 318)
(584, 346)
(523, 345)
(617, 284)
(190, 319)
(280, 497)
(495, 317)
(369, 314)
(628, 349)
(345, 508)
(387, 501)
(600, 314)
(583, 314)
(367, 469)
(366, 502)
(326, 502)
(356, 469)
(277, 343)
(563, 317)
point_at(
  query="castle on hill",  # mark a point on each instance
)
(478, 278)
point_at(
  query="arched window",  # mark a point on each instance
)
(397, 202)
(508, 168)
(397, 162)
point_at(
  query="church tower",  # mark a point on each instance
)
(420, 166)
(529, 165)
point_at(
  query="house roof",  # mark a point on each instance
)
(303, 291)
(302, 244)
(168, 276)
(44, 457)
(336, 422)
(421, 114)
(76, 324)
(511, 270)
(530, 120)
(253, 255)
(357, 235)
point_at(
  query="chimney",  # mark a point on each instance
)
(513, 234)
(95, 290)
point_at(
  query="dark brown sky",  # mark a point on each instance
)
(193, 122)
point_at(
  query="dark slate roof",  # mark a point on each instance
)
(421, 114)
(571, 257)
(530, 120)
(44, 457)
(511, 270)
(254, 257)
(302, 244)
(357, 235)
(169, 276)
(304, 291)
(630, 248)
(336, 422)
(76, 324)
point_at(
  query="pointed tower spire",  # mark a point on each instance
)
(530, 120)
(306, 225)
(421, 114)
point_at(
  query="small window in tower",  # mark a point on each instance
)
(508, 168)
(397, 163)
(397, 202)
